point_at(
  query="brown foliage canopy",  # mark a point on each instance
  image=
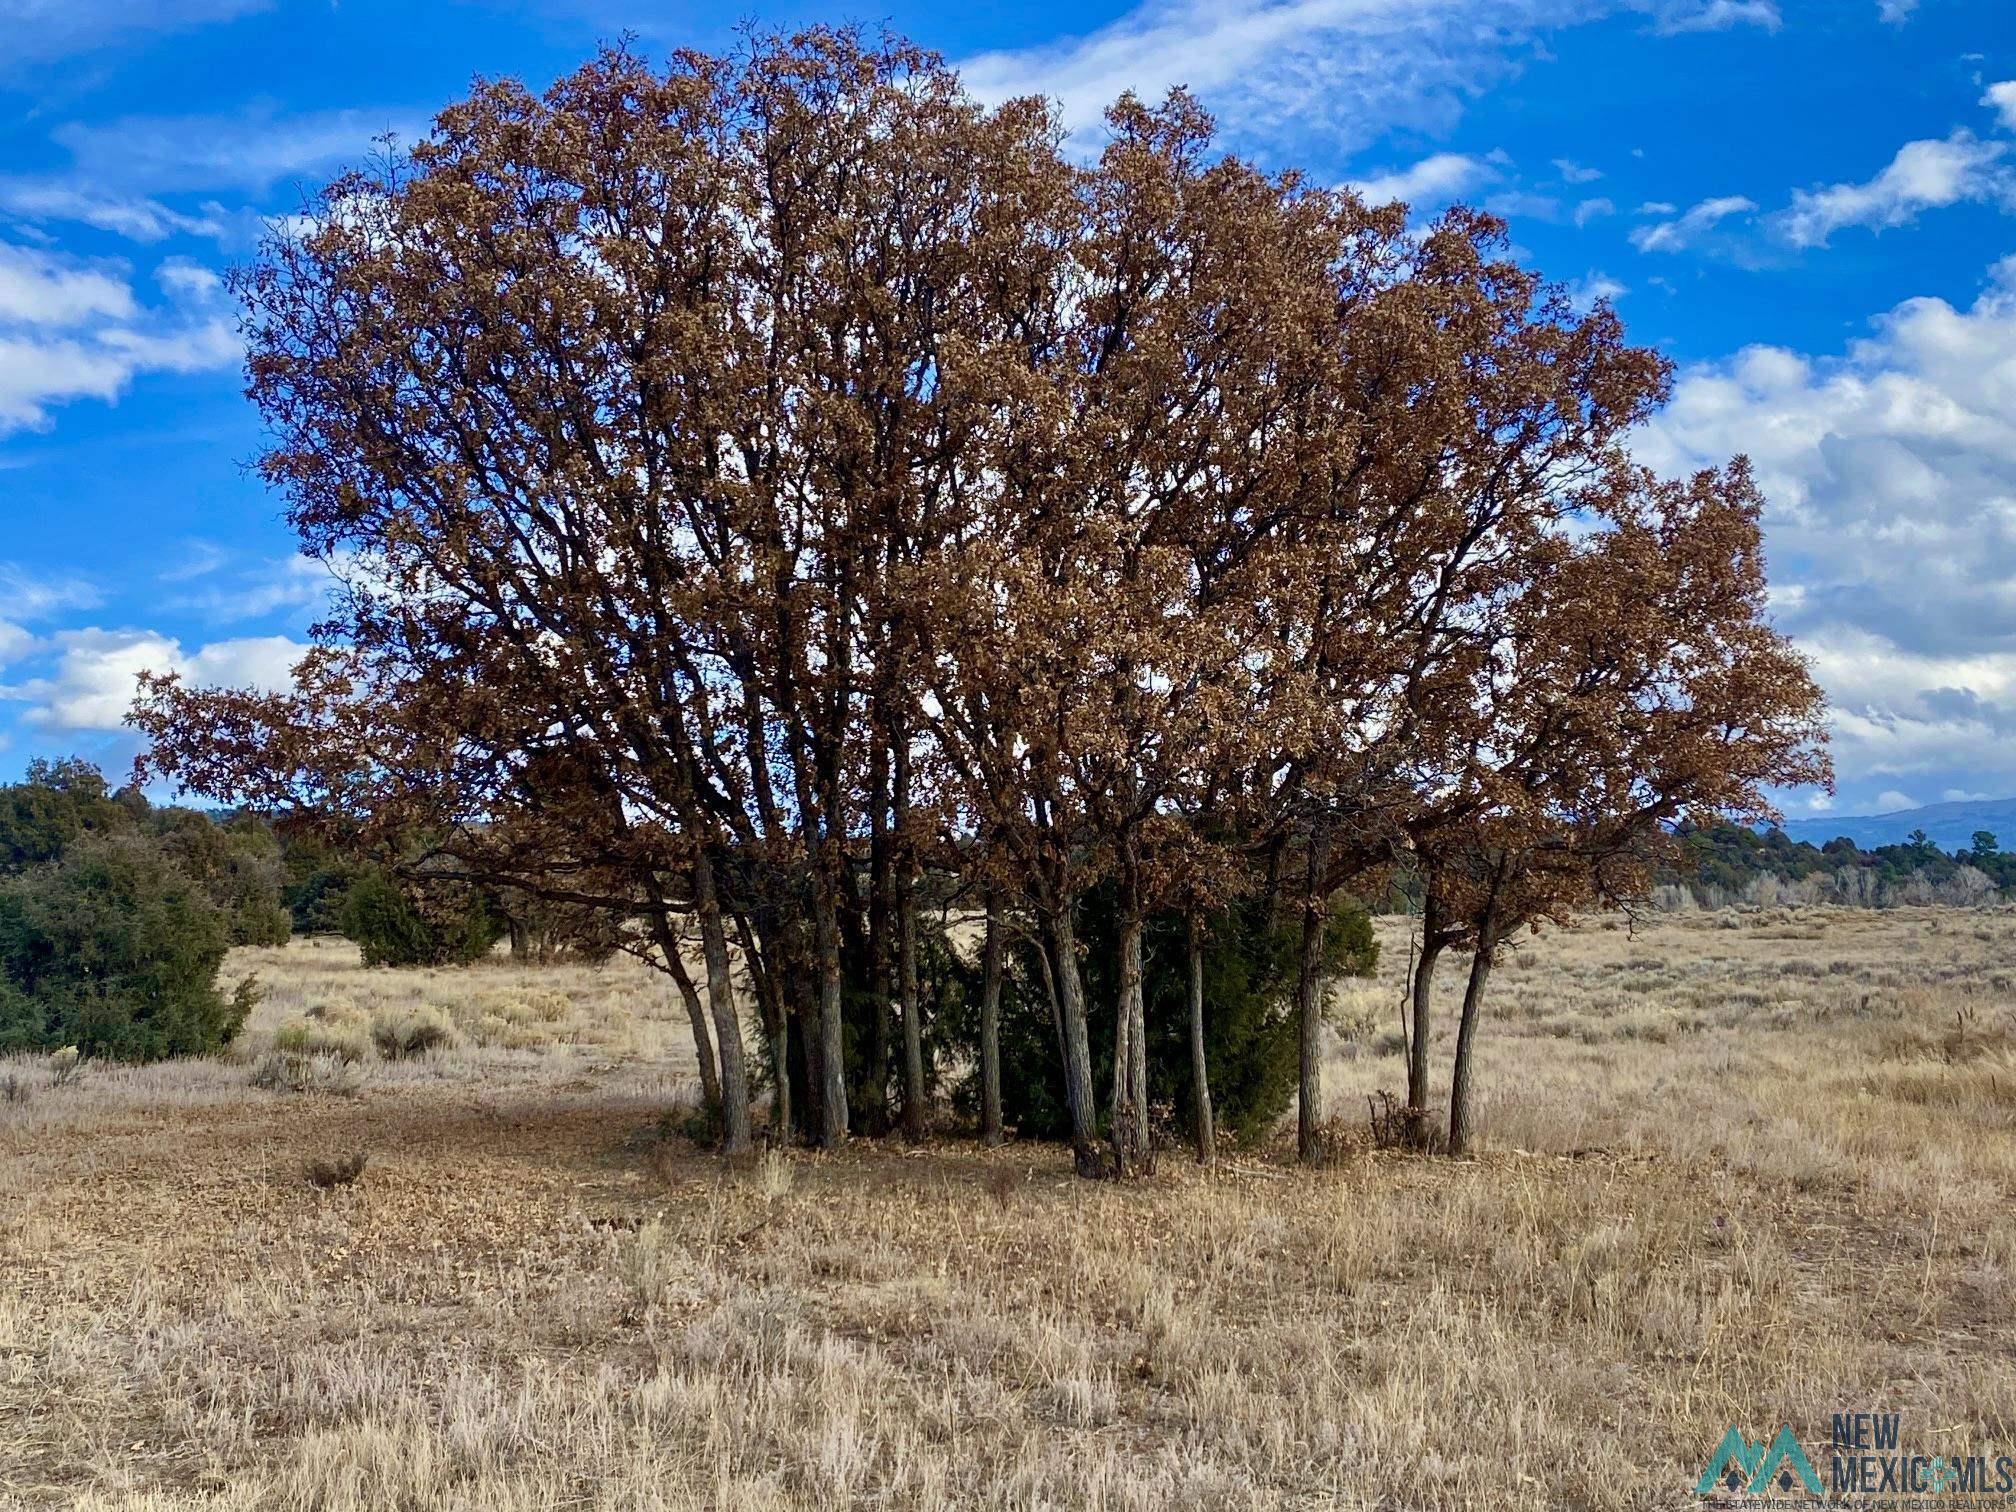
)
(728, 461)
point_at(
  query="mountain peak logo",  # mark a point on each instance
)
(1759, 1468)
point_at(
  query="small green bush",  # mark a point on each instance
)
(445, 925)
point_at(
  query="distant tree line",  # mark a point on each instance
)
(1720, 865)
(789, 508)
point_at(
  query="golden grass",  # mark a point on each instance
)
(1740, 1169)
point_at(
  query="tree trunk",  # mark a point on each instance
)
(881, 973)
(1076, 1048)
(1417, 1046)
(770, 998)
(1130, 1050)
(1460, 1130)
(696, 1015)
(1200, 1070)
(913, 1009)
(801, 1033)
(903, 863)
(1309, 1002)
(801, 1036)
(1117, 1125)
(721, 999)
(832, 1036)
(990, 1027)
(1424, 1010)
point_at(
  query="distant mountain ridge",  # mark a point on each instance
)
(1950, 826)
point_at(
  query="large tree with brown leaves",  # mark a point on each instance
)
(768, 487)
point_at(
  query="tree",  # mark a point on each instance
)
(775, 491)
(1249, 970)
(55, 805)
(237, 862)
(442, 923)
(1633, 682)
(1469, 410)
(107, 942)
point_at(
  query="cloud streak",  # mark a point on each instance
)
(1718, 15)
(1354, 68)
(1924, 175)
(43, 31)
(1434, 180)
(250, 152)
(1685, 230)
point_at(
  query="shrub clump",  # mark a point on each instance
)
(345, 1040)
(440, 925)
(112, 949)
(302, 1071)
(341, 1171)
(406, 1032)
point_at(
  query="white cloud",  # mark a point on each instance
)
(250, 152)
(1700, 219)
(1434, 180)
(97, 671)
(1891, 523)
(73, 330)
(1353, 70)
(124, 173)
(201, 558)
(134, 217)
(1584, 292)
(1924, 175)
(2001, 98)
(295, 582)
(1573, 172)
(1515, 204)
(191, 281)
(1356, 69)
(189, 349)
(1895, 12)
(1890, 801)
(14, 641)
(40, 31)
(48, 289)
(1719, 15)
(1590, 209)
(27, 595)
(37, 374)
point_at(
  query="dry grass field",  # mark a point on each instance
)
(1739, 1168)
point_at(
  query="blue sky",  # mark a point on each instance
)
(1807, 203)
